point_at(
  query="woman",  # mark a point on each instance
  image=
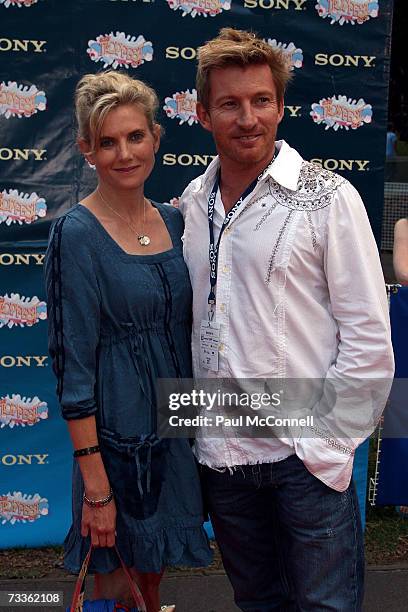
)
(400, 251)
(400, 262)
(119, 318)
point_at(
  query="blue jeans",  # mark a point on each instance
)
(288, 542)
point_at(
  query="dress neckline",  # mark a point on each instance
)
(149, 257)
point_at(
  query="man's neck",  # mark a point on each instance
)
(235, 179)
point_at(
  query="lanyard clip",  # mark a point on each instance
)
(211, 306)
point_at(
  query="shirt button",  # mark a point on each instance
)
(227, 231)
(222, 307)
(226, 269)
(221, 347)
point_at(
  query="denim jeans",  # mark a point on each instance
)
(288, 542)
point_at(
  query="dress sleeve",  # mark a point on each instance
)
(73, 317)
(177, 221)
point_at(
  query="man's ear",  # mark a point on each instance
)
(204, 117)
(84, 147)
(281, 109)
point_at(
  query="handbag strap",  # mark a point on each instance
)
(77, 598)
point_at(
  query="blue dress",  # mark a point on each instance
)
(117, 323)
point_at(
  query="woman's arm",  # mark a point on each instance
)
(74, 307)
(400, 254)
(99, 523)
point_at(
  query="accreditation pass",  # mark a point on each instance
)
(209, 344)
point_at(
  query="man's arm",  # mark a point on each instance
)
(357, 384)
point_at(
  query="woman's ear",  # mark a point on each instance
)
(84, 146)
(157, 131)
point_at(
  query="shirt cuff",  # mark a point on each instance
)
(330, 465)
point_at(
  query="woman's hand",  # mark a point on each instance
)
(100, 524)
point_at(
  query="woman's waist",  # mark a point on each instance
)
(126, 331)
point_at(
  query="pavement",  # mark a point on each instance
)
(386, 591)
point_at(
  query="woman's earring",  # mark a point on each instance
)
(92, 166)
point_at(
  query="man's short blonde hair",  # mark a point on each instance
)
(239, 48)
(97, 94)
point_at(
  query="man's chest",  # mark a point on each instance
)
(260, 238)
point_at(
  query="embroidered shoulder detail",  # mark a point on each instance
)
(315, 189)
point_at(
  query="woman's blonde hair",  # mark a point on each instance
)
(239, 48)
(97, 94)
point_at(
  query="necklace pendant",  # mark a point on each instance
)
(144, 240)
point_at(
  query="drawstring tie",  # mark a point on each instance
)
(140, 360)
(149, 444)
(139, 474)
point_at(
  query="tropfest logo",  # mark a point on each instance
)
(21, 411)
(120, 50)
(21, 311)
(18, 507)
(21, 208)
(341, 113)
(182, 106)
(202, 8)
(293, 55)
(20, 100)
(18, 3)
(347, 11)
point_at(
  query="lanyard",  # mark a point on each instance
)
(214, 248)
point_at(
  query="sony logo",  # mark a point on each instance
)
(13, 44)
(293, 111)
(9, 460)
(21, 259)
(298, 5)
(360, 165)
(22, 154)
(185, 159)
(336, 59)
(20, 361)
(187, 53)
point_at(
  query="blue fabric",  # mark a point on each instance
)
(360, 474)
(390, 144)
(117, 323)
(393, 469)
(288, 542)
(104, 605)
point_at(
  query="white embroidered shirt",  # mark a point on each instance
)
(300, 295)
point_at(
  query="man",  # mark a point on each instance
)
(287, 284)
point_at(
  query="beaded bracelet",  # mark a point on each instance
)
(98, 503)
(89, 450)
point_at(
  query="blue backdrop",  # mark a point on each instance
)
(335, 113)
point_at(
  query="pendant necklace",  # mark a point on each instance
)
(142, 238)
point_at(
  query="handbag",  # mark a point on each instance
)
(103, 605)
